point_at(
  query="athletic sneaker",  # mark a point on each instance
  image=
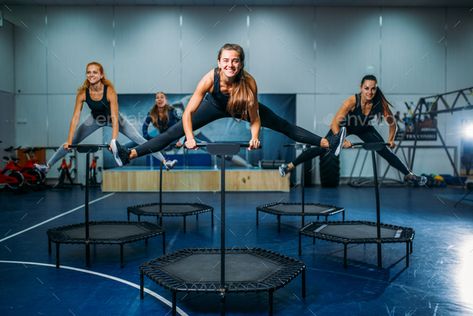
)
(283, 170)
(336, 141)
(169, 164)
(120, 153)
(42, 168)
(413, 179)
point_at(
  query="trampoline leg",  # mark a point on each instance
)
(407, 254)
(142, 285)
(345, 264)
(279, 223)
(411, 243)
(139, 218)
(87, 254)
(121, 256)
(257, 218)
(161, 221)
(380, 257)
(270, 301)
(164, 243)
(343, 215)
(57, 255)
(174, 298)
(146, 241)
(196, 217)
(128, 215)
(184, 223)
(300, 244)
(222, 303)
(303, 290)
(49, 246)
(212, 218)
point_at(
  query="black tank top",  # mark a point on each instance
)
(98, 108)
(221, 99)
(356, 118)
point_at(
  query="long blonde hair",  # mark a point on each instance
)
(242, 97)
(162, 116)
(86, 84)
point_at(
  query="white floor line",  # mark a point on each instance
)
(107, 276)
(55, 217)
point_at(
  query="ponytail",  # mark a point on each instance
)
(86, 84)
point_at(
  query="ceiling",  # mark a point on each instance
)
(335, 3)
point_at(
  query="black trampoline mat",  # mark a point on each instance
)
(107, 231)
(357, 231)
(297, 209)
(239, 267)
(171, 208)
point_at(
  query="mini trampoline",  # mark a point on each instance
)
(198, 270)
(161, 209)
(222, 270)
(362, 232)
(104, 232)
(299, 209)
(358, 232)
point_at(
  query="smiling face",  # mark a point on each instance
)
(161, 100)
(230, 63)
(94, 74)
(368, 90)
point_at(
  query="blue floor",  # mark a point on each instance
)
(439, 280)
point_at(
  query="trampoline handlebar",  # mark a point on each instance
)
(370, 146)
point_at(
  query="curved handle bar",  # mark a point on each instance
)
(369, 146)
(88, 148)
(223, 148)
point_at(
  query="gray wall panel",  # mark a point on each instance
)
(7, 59)
(30, 49)
(460, 48)
(147, 49)
(282, 49)
(31, 120)
(347, 47)
(77, 36)
(413, 50)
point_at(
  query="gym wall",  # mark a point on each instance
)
(319, 53)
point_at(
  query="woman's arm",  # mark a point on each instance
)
(113, 99)
(389, 117)
(80, 98)
(255, 121)
(144, 128)
(347, 106)
(204, 86)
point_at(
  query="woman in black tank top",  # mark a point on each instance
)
(355, 115)
(227, 91)
(98, 92)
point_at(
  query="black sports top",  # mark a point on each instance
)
(356, 118)
(98, 108)
(221, 99)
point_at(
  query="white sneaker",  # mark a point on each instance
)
(42, 168)
(336, 142)
(169, 164)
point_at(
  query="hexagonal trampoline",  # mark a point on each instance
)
(199, 270)
(298, 209)
(358, 232)
(171, 209)
(103, 233)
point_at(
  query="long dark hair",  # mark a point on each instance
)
(157, 116)
(379, 97)
(241, 96)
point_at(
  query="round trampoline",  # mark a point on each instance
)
(104, 232)
(161, 209)
(358, 232)
(198, 270)
(222, 270)
(297, 209)
(362, 232)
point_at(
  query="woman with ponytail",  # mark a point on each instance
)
(355, 115)
(226, 91)
(99, 94)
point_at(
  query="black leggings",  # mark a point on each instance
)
(367, 134)
(208, 112)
